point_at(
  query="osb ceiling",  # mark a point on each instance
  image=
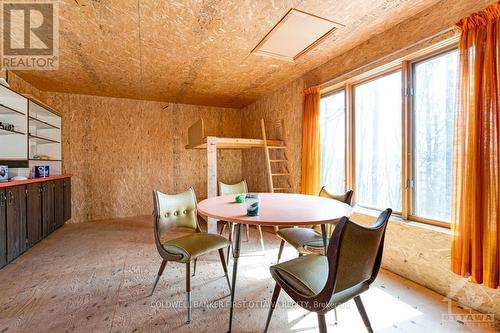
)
(197, 52)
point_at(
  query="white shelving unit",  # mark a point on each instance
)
(36, 137)
(44, 136)
(13, 143)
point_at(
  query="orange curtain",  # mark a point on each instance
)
(476, 184)
(311, 153)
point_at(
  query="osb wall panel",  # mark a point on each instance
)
(120, 150)
(285, 104)
(422, 254)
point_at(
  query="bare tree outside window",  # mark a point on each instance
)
(378, 142)
(434, 102)
(332, 118)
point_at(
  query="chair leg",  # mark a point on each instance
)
(188, 290)
(274, 300)
(160, 272)
(224, 267)
(223, 228)
(321, 323)
(362, 312)
(247, 227)
(280, 251)
(335, 313)
(194, 267)
(261, 238)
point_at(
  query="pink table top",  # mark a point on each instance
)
(277, 209)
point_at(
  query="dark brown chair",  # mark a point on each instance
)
(179, 212)
(320, 283)
(306, 240)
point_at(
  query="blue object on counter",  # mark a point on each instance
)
(4, 173)
(41, 171)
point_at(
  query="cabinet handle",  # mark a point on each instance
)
(11, 197)
(2, 199)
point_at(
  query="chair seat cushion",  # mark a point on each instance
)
(298, 237)
(309, 274)
(195, 245)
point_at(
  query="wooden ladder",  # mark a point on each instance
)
(279, 170)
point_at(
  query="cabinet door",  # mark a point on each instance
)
(3, 228)
(47, 208)
(58, 203)
(67, 198)
(34, 213)
(16, 221)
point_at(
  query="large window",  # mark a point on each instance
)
(333, 141)
(377, 110)
(434, 98)
(392, 142)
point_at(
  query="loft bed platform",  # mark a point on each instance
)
(197, 139)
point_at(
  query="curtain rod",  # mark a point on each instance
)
(339, 78)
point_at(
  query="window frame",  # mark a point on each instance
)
(333, 92)
(409, 195)
(406, 66)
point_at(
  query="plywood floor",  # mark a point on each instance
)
(95, 277)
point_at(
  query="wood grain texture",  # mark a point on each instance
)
(197, 52)
(120, 150)
(95, 277)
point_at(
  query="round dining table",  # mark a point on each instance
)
(277, 210)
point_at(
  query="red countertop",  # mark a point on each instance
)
(32, 180)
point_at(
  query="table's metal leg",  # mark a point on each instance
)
(229, 248)
(236, 255)
(325, 238)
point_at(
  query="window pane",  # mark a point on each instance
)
(378, 142)
(333, 142)
(435, 89)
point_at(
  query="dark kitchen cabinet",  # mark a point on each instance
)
(34, 213)
(67, 198)
(3, 228)
(30, 212)
(58, 203)
(16, 221)
(48, 222)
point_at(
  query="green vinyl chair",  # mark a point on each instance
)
(233, 189)
(178, 212)
(320, 283)
(307, 240)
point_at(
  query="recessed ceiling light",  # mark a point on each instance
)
(294, 35)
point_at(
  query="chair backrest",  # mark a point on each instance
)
(175, 211)
(355, 253)
(345, 198)
(227, 189)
